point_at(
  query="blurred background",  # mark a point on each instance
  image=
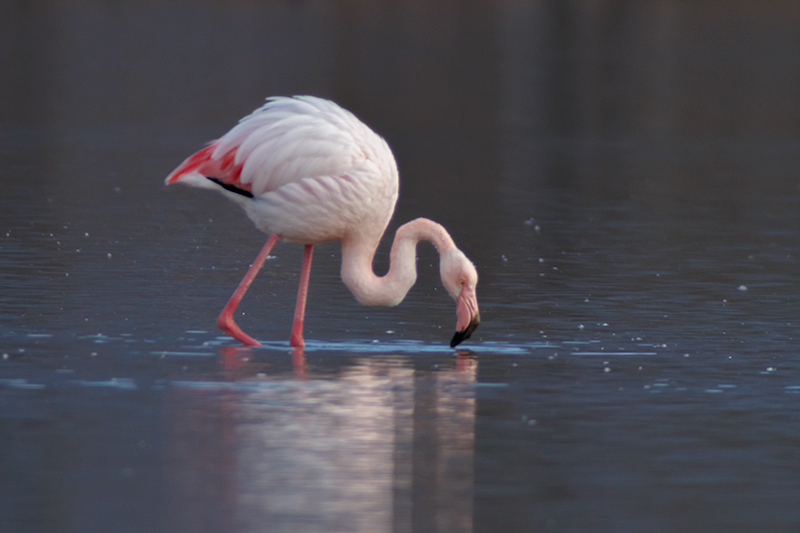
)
(624, 174)
(499, 113)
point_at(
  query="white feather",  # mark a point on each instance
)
(305, 158)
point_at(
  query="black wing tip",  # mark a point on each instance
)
(231, 188)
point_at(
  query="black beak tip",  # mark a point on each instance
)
(461, 336)
(457, 338)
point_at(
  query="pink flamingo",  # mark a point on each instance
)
(307, 171)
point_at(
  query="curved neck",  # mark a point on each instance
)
(370, 289)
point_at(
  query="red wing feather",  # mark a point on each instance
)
(224, 170)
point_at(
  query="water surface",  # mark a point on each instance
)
(625, 178)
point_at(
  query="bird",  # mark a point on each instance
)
(307, 171)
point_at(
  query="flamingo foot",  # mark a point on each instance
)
(229, 327)
(299, 363)
(296, 340)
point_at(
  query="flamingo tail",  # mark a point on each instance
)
(201, 169)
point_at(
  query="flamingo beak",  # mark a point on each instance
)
(468, 315)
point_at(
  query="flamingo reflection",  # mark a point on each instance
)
(375, 445)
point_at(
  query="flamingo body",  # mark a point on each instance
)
(307, 171)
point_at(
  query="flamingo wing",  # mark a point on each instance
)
(282, 142)
(313, 167)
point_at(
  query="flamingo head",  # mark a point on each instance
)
(461, 280)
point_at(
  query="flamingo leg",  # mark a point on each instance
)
(302, 293)
(225, 320)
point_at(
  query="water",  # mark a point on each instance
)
(624, 177)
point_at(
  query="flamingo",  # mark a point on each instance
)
(307, 171)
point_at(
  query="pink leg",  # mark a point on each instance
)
(225, 320)
(302, 293)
